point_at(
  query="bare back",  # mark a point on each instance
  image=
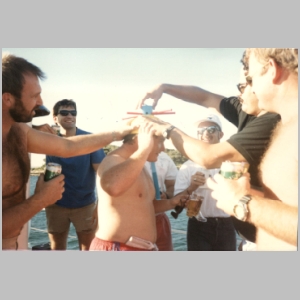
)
(280, 176)
(130, 214)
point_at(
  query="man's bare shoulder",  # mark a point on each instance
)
(111, 159)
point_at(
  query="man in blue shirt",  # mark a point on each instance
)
(78, 204)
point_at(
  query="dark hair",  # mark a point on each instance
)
(63, 102)
(129, 138)
(13, 70)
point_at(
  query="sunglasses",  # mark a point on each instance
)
(241, 87)
(210, 129)
(64, 113)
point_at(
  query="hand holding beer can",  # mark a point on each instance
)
(56, 128)
(52, 170)
(233, 170)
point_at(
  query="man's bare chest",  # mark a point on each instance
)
(15, 166)
(280, 165)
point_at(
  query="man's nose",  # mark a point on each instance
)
(40, 101)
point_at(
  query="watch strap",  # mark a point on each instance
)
(168, 131)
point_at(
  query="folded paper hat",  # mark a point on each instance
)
(210, 118)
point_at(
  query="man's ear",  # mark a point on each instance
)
(221, 134)
(55, 119)
(276, 71)
(7, 99)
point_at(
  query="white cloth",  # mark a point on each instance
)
(165, 169)
(183, 180)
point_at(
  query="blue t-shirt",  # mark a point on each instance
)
(80, 177)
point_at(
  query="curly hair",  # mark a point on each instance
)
(285, 57)
(13, 70)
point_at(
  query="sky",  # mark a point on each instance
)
(106, 83)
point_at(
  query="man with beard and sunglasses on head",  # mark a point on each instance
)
(21, 96)
(249, 144)
(78, 204)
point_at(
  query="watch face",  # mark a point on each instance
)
(239, 212)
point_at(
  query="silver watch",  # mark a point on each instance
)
(241, 208)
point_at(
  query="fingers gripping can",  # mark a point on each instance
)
(52, 170)
(233, 170)
(56, 128)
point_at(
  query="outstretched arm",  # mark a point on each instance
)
(165, 205)
(50, 144)
(208, 155)
(186, 93)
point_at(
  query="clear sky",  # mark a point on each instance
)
(107, 83)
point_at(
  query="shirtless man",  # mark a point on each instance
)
(274, 79)
(127, 205)
(21, 95)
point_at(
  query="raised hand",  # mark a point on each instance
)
(227, 192)
(154, 94)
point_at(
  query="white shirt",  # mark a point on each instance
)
(165, 169)
(183, 180)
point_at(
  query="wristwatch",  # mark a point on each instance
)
(241, 208)
(166, 133)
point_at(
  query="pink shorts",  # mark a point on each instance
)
(101, 245)
(164, 235)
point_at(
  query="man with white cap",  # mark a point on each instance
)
(212, 229)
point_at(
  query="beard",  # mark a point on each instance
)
(19, 113)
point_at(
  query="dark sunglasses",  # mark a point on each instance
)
(241, 87)
(210, 129)
(64, 113)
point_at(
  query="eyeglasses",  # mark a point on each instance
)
(64, 113)
(241, 87)
(249, 79)
(210, 130)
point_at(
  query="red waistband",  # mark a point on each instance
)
(102, 245)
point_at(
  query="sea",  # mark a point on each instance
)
(38, 228)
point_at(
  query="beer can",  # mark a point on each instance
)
(56, 128)
(52, 170)
(233, 170)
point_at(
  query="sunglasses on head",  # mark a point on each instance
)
(241, 87)
(64, 113)
(210, 129)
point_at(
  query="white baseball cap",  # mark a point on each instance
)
(209, 118)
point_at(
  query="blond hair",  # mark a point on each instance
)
(285, 57)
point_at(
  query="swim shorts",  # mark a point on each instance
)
(164, 235)
(101, 245)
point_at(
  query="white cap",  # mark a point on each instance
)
(210, 118)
